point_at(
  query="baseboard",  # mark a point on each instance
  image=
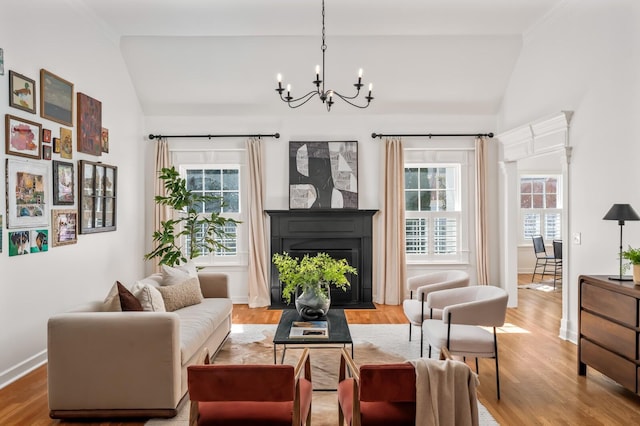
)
(22, 369)
(109, 414)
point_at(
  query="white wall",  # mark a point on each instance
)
(62, 38)
(327, 126)
(584, 58)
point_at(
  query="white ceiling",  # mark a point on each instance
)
(221, 57)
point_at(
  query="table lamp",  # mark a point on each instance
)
(621, 212)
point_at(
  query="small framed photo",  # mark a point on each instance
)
(46, 152)
(105, 140)
(56, 98)
(56, 145)
(46, 135)
(22, 137)
(63, 183)
(64, 227)
(27, 194)
(19, 243)
(89, 136)
(39, 240)
(22, 92)
(66, 144)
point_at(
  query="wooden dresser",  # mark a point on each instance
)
(609, 324)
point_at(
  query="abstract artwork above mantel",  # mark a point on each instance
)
(323, 175)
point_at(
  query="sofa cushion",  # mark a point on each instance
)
(180, 295)
(112, 301)
(149, 296)
(178, 274)
(198, 322)
(128, 301)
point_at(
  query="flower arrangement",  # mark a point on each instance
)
(311, 273)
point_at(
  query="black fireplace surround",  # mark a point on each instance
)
(345, 234)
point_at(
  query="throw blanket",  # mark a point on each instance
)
(445, 393)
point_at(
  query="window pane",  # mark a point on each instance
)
(411, 178)
(212, 180)
(537, 186)
(525, 186)
(232, 203)
(424, 179)
(230, 180)
(194, 180)
(537, 201)
(229, 242)
(213, 206)
(525, 201)
(411, 200)
(552, 226)
(425, 200)
(550, 201)
(551, 185)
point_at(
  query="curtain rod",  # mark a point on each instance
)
(431, 135)
(273, 135)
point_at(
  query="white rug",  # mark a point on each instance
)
(389, 338)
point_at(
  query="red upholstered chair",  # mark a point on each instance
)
(378, 394)
(250, 394)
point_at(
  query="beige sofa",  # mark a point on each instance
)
(132, 364)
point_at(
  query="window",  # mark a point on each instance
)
(433, 211)
(540, 207)
(223, 182)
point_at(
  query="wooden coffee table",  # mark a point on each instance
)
(339, 334)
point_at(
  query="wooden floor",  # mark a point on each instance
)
(538, 372)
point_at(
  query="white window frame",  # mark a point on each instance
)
(461, 215)
(240, 257)
(540, 212)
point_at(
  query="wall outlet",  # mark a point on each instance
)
(577, 238)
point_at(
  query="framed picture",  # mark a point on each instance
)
(66, 144)
(56, 145)
(46, 135)
(63, 183)
(56, 98)
(323, 175)
(46, 152)
(105, 140)
(22, 137)
(1, 228)
(97, 197)
(89, 125)
(39, 240)
(27, 201)
(22, 92)
(19, 243)
(64, 227)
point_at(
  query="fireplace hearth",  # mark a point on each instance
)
(345, 234)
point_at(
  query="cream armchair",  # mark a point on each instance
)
(465, 313)
(420, 286)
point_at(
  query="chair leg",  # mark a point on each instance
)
(477, 370)
(422, 342)
(495, 348)
(409, 331)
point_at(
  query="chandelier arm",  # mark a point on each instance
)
(302, 100)
(310, 95)
(347, 100)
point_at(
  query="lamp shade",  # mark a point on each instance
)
(621, 212)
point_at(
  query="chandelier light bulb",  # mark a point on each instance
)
(360, 73)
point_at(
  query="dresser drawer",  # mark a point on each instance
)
(613, 305)
(608, 334)
(619, 369)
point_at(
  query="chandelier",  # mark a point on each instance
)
(326, 96)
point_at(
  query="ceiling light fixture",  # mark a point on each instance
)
(326, 96)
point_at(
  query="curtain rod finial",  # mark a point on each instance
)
(152, 137)
(374, 135)
(277, 135)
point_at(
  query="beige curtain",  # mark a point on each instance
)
(482, 249)
(258, 240)
(391, 256)
(162, 213)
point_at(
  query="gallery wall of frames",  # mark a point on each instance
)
(50, 199)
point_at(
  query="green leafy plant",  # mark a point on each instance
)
(201, 231)
(632, 255)
(311, 273)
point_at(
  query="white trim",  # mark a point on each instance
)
(23, 368)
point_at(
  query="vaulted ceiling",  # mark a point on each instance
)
(202, 57)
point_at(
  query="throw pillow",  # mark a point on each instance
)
(149, 296)
(178, 274)
(128, 301)
(181, 295)
(112, 301)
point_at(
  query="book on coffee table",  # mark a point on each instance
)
(309, 330)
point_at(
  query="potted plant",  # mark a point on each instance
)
(200, 232)
(311, 275)
(633, 256)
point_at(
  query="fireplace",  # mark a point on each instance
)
(343, 234)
